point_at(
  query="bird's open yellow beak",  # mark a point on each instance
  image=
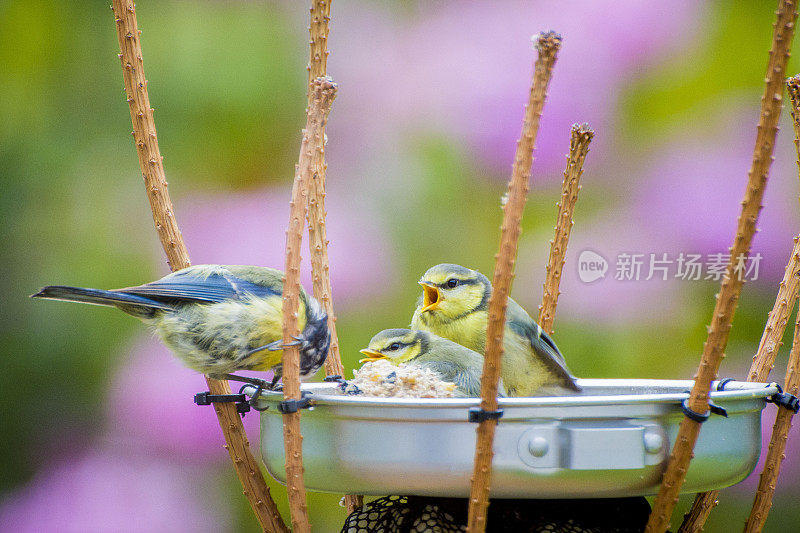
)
(431, 297)
(371, 355)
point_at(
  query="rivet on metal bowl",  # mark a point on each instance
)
(653, 442)
(538, 446)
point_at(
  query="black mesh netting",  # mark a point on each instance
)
(414, 514)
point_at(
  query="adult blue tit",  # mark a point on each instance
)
(453, 362)
(454, 304)
(217, 319)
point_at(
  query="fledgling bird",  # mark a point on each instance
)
(218, 319)
(453, 362)
(454, 304)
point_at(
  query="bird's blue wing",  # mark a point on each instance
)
(190, 285)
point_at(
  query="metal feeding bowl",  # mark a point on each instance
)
(611, 440)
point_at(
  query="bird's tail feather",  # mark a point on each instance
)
(130, 303)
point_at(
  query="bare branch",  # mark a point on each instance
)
(547, 45)
(728, 297)
(144, 134)
(580, 138)
(323, 92)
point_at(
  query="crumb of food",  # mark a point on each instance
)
(383, 379)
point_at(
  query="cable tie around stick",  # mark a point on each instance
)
(292, 406)
(721, 383)
(206, 398)
(478, 415)
(784, 399)
(713, 409)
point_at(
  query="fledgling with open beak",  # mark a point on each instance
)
(454, 305)
(453, 362)
(218, 319)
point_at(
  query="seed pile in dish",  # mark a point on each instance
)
(383, 379)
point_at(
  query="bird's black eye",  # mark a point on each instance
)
(452, 283)
(394, 346)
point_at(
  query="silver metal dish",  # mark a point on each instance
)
(611, 440)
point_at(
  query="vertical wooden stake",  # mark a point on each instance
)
(547, 45)
(323, 92)
(318, 29)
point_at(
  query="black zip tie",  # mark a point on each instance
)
(342, 383)
(292, 406)
(702, 417)
(206, 398)
(477, 415)
(721, 384)
(784, 399)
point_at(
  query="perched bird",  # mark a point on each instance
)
(218, 319)
(453, 362)
(454, 305)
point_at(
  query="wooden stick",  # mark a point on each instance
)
(777, 444)
(317, 232)
(783, 420)
(727, 299)
(763, 361)
(771, 339)
(547, 45)
(323, 92)
(144, 134)
(580, 138)
(793, 87)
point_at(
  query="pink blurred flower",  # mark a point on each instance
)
(691, 196)
(464, 68)
(250, 228)
(104, 491)
(606, 299)
(151, 407)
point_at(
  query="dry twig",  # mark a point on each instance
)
(777, 444)
(727, 299)
(771, 339)
(144, 134)
(547, 45)
(323, 92)
(580, 138)
(762, 364)
(793, 87)
(317, 232)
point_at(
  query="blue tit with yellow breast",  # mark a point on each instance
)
(453, 362)
(454, 305)
(218, 319)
